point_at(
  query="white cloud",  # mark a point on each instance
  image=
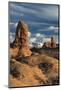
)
(47, 39)
(53, 28)
(50, 28)
(33, 39)
(37, 38)
(29, 34)
(12, 24)
(38, 35)
(12, 36)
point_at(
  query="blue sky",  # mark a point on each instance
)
(42, 20)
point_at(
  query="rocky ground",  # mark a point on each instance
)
(37, 69)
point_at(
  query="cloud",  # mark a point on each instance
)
(29, 34)
(36, 38)
(53, 28)
(41, 38)
(47, 39)
(12, 24)
(47, 12)
(38, 35)
(12, 37)
(33, 39)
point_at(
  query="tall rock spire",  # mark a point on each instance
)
(53, 43)
(21, 39)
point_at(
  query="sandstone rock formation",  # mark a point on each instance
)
(50, 44)
(21, 39)
(44, 45)
(53, 43)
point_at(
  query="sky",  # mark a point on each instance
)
(42, 20)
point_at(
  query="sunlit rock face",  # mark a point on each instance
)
(21, 39)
